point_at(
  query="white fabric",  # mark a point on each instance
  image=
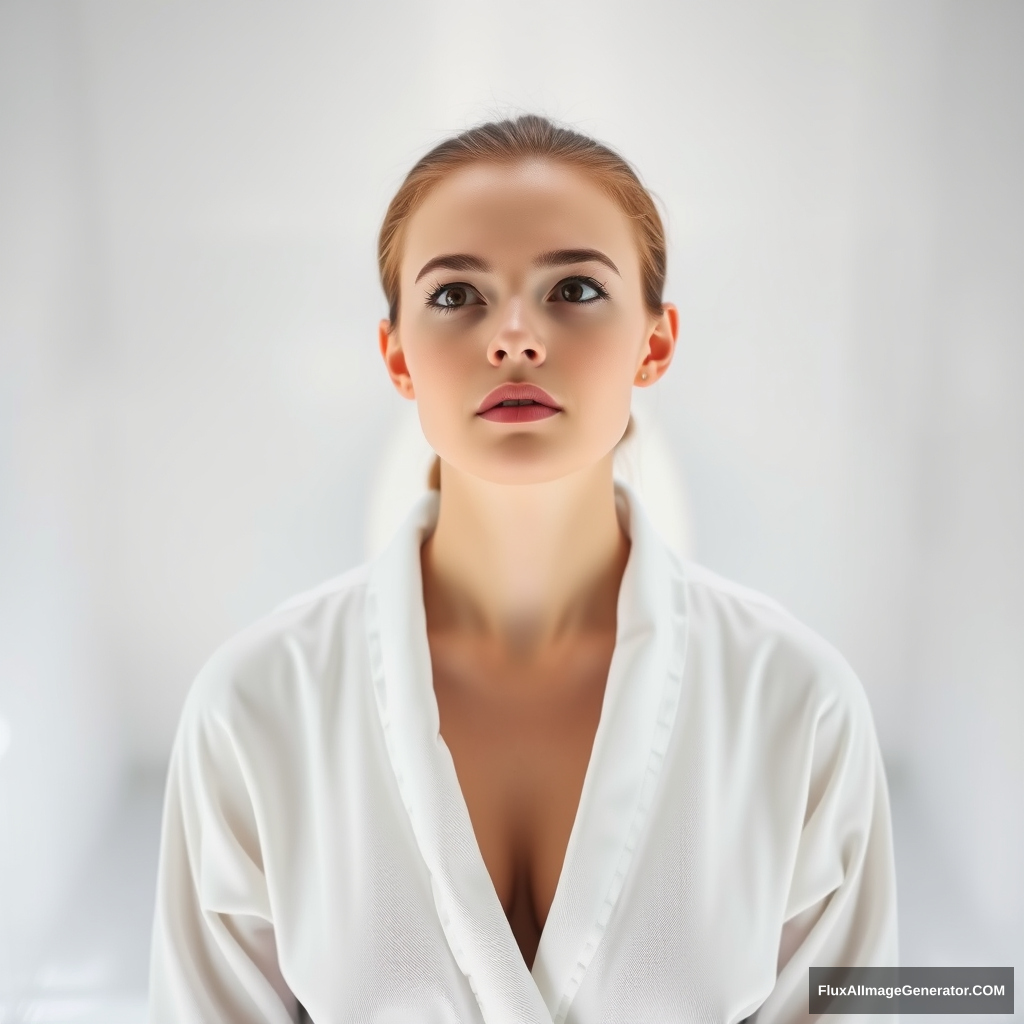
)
(318, 858)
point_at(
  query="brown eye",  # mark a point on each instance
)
(579, 290)
(450, 297)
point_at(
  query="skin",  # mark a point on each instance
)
(521, 575)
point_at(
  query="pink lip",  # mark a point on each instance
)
(545, 405)
(518, 413)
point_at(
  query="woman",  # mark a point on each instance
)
(526, 765)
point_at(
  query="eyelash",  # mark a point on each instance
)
(597, 286)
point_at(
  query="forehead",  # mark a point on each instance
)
(514, 211)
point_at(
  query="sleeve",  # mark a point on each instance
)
(841, 907)
(213, 956)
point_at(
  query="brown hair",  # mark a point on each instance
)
(523, 138)
(527, 137)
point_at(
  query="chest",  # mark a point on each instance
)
(521, 739)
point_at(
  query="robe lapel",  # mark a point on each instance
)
(637, 717)
(474, 922)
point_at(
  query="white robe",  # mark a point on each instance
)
(318, 860)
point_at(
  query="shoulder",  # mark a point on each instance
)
(281, 659)
(779, 711)
(763, 653)
(705, 583)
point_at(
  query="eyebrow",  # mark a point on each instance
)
(555, 258)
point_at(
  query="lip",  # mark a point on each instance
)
(517, 392)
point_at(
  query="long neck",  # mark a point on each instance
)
(525, 565)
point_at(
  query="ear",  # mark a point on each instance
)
(659, 348)
(394, 359)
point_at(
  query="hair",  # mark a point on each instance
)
(528, 137)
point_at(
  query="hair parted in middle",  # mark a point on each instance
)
(527, 137)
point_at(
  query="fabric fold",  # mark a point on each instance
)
(638, 713)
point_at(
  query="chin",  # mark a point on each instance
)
(523, 469)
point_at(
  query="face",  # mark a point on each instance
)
(523, 273)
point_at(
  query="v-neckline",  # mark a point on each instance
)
(638, 712)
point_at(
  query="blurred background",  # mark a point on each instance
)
(193, 410)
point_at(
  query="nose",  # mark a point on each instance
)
(515, 340)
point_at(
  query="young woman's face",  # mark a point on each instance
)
(522, 273)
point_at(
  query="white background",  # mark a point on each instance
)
(192, 404)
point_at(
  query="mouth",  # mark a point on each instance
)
(518, 412)
(518, 396)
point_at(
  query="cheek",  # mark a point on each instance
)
(438, 375)
(603, 383)
(430, 365)
(601, 367)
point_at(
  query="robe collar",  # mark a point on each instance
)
(638, 715)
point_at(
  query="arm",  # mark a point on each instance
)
(214, 956)
(841, 909)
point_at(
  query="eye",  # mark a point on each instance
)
(580, 290)
(452, 297)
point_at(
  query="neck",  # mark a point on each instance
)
(525, 567)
